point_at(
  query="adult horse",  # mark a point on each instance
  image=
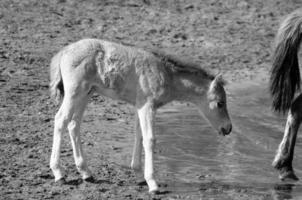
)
(284, 83)
(145, 79)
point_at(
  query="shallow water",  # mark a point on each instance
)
(190, 152)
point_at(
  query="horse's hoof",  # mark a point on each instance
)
(61, 181)
(288, 176)
(89, 179)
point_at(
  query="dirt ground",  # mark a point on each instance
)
(229, 36)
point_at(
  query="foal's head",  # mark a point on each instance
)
(213, 106)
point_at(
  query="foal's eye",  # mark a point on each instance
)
(220, 104)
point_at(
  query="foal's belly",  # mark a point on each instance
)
(127, 92)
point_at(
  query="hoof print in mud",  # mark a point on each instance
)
(90, 179)
(142, 183)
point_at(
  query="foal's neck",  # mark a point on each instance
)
(187, 87)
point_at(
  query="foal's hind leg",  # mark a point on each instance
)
(70, 116)
(62, 118)
(80, 103)
(285, 153)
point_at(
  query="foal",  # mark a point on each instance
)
(147, 80)
(284, 81)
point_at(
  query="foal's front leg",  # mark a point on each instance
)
(146, 117)
(136, 162)
(285, 153)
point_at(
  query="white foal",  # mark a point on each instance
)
(147, 80)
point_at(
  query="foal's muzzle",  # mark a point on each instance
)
(225, 130)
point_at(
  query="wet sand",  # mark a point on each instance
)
(232, 37)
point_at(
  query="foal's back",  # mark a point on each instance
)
(114, 70)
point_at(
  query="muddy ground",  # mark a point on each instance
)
(231, 36)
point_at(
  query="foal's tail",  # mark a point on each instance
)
(56, 82)
(285, 74)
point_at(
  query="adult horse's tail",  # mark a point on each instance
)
(285, 74)
(56, 81)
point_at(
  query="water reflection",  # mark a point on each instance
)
(191, 152)
(282, 191)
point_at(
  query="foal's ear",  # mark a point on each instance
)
(218, 80)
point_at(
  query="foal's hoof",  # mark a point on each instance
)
(157, 192)
(288, 176)
(89, 179)
(154, 190)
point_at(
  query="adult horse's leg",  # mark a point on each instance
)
(74, 133)
(136, 162)
(146, 117)
(62, 118)
(285, 153)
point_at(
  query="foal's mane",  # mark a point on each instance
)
(181, 65)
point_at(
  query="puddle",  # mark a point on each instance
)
(190, 152)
